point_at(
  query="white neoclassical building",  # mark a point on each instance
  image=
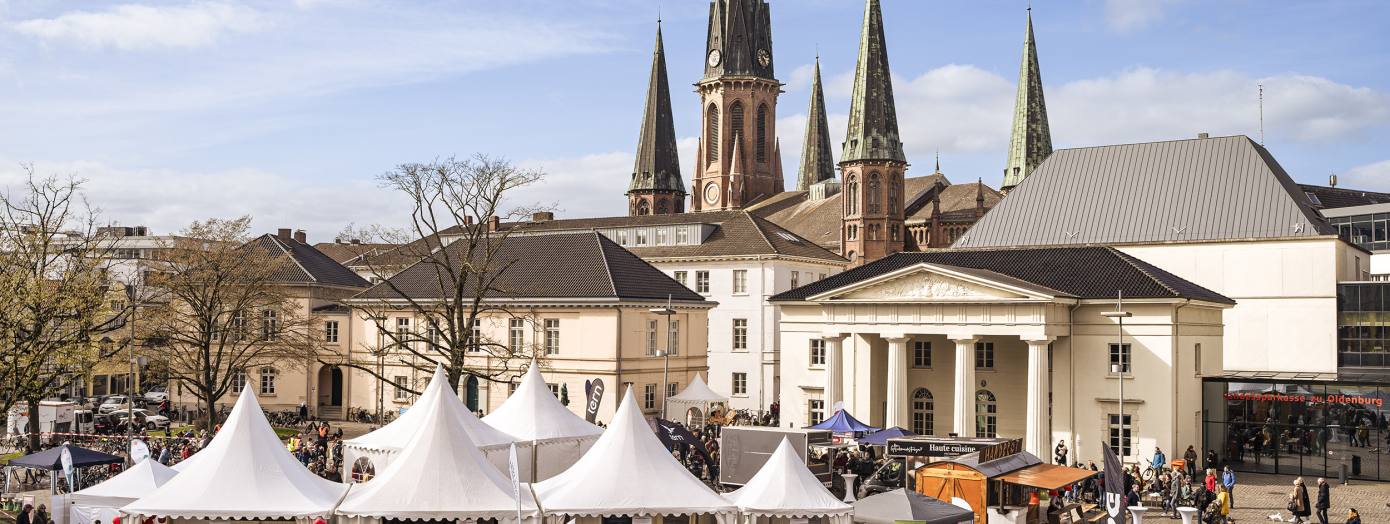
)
(1005, 342)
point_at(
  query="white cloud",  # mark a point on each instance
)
(1369, 177)
(1123, 16)
(585, 186)
(142, 27)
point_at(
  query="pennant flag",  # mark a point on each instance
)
(1114, 487)
(672, 434)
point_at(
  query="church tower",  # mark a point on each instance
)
(1030, 142)
(872, 164)
(656, 186)
(737, 159)
(816, 162)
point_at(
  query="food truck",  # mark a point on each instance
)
(997, 482)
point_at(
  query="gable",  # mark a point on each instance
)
(924, 283)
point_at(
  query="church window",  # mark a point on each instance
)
(762, 133)
(736, 120)
(894, 190)
(661, 207)
(852, 196)
(873, 195)
(644, 208)
(896, 233)
(852, 231)
(712, 134)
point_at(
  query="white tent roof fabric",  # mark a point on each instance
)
(698, 391)
(394, 436)
(628, 473)
(532, 413)
(785, 487)
(439, 474)
(125, 488)
(244, 473)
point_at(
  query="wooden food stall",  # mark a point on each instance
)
(996, 482)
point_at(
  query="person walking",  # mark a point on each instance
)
(1060, 453)
(1159, 461)
(25, 515)
(1228, 481)
(1298, 501)
(1353, 517)
(1221, 507)
(1324, 500)
(41, 515)
(1189, 457)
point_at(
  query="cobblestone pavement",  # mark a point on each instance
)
(1258, 496)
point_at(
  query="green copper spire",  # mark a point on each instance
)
(873, 120)
(1030, 142)
(657, 167)
(816, 161)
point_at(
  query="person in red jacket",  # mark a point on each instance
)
(1210, 481)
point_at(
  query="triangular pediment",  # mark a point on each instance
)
(930, 283)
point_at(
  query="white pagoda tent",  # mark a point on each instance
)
(694, 403)
(244, 473)
(533, 414)
(439, 475)
(786, 489)
(104, 500)
(629, 473)
(381, 446)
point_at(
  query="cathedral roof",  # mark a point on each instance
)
(819, 220)
(873, 120)
(657, 167)
(817, 161)
(957, 202)
(1030, 141)
(739, 42)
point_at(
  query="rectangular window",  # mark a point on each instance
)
(268, 380)
(680, 277)
(403, 332)
(238, 381)
(622, 236)
(552, 336)
(554, 389)
(672, 389)
(400, 382)
(1119, 354)
(740, 334)
(511, 387)
(675, 341)
(516, 338)
(817, 352)
(1120, 434)
(984, 355)
(651, 338)
(1197, 360)
(702, 281)
(820, 276)
(682, 235)
(475, 336)
(815, 411)
(852, 231)
(740, 281)
(661, 236)
(921, 353)
(641, 235)
(432, 335)
(740, 384)
(649, 396)
(796, 279)
(270, 324)
(330, 331)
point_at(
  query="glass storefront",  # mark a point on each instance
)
(1292, 428)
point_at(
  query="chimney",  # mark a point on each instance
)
(1203, 136)
(467, 220)
(494, 223)
(542, 216)
(356, 241)
(1332, 180)
(300, 237)
(283, 233)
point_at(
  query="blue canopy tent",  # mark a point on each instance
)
(52, 460)
(842, 422)
(880, 438)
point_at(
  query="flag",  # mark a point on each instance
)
(593, 396)
(516, 480)
(1114, 487)
(672, 434)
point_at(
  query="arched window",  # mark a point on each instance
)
(872, 192)
(712, 134)
(986, 414)
(644, 208)
(852, 196)
(923, 407)
(736, 121)
(894, 190)
(762, 133)
(661, 207)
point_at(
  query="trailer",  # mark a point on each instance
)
(744, 449)
(54, 417)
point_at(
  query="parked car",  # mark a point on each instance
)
(114, 403)
(156, 394)
(143, 419)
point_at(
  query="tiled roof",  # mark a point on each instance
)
(957, 202)
(1090, 272)
(309, 265)
(559, 266)
(1323, 197)
(1222, 188)
(819, 220)
(344, 252)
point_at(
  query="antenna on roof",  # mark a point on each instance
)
(1262, 114)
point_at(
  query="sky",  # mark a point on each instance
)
(289, 110)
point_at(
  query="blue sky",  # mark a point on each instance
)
(287, 110)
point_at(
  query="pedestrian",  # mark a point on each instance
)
(25, 515)
(1210, 481)
(1060, 453)
(1211, 459)
(1298, 501)
(1352, 516)
(40, 515)
(1228, 481)
(1159, 460)
(1324, 500)
(1189, 457)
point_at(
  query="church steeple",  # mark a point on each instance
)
(656, 186)
(816, 162)
(1030, 142)
(740, 39)
(873, 119)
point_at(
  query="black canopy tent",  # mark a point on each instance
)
(52, 460)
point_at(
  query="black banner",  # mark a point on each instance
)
(944, 447)
(1114, 487)
(595, 396)
(672, 434)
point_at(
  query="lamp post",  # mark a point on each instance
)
(1119, 368)
(666, 354)
(134, 295)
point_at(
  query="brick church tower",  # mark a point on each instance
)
(738, 160)
(872, 164)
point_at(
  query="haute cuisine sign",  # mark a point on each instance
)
(1308, 399)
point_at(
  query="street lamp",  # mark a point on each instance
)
(666, 365)
(1118, 367)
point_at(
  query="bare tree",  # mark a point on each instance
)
(458, 227)
(55, 299)
(220, 310)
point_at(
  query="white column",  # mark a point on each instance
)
(834, 373)
(1038, 432)
(963, 420)
(897, 382)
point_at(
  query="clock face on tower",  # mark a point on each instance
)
(714, 57)
(712, 193)
(764, 57)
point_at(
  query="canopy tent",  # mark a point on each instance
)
(104, 500)
(51, 458)
(629, 473)
(901, 504)
(1047, 476)
(439, 475)
(785, 487)
(698, 397)
(244, 473)
(381, 446)
(843, 422)
(533, 414)
(880, 437)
